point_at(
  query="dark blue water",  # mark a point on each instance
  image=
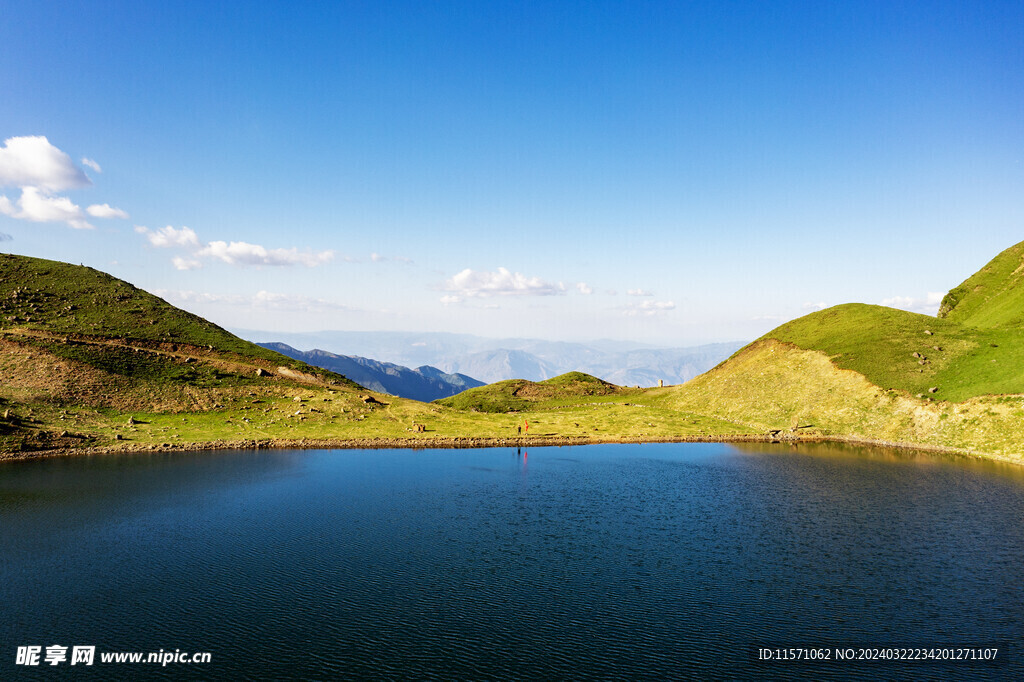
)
(619, 561)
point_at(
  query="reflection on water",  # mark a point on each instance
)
(620, 560)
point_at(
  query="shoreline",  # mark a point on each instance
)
(461, 442)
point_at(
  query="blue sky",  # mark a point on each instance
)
(664, 172)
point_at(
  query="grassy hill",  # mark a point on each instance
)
(872, 372)
(72, 334)
(993, 297)
(74, 300)
(913, 353)
(76, 340)
(519, 395)
(579, 405)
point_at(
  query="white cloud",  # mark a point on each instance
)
(232, 253)
(379, 258)
(38, 207)
(638, 292)
(41, 170)
(244, 253)
(584, 289)
(927, 305)
(170, 237)
(106, 211)
(649, 308)
(450, 300)
(92, 164)
(34, 162)
(810, 305)
(261, 300)
(186, 263)
(483, 283)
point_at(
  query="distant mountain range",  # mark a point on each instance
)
(491, 360)
(423, 383)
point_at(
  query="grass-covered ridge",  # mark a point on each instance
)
(77, 301)
(518, 395)
(770, 385)
(993, 297)
(75, 339)
(876, 373)
(974, 347)
(913, 353)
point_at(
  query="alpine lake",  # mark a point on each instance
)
(654, 561)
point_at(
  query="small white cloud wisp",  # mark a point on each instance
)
(232, 253)
(648, 308)
(501, 282)
(106, 211)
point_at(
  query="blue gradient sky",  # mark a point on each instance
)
(733, 165)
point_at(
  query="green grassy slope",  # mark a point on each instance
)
(519, 395)
(975, 347)
(960, 361)
(770, 385)
(872, 372)
(84, 316)
(74, 300)
(73, 338)
(993, 297)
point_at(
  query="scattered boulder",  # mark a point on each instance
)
(131, 421)
(936, 347)
(933, 389)
(928, 332)
(260, 372)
